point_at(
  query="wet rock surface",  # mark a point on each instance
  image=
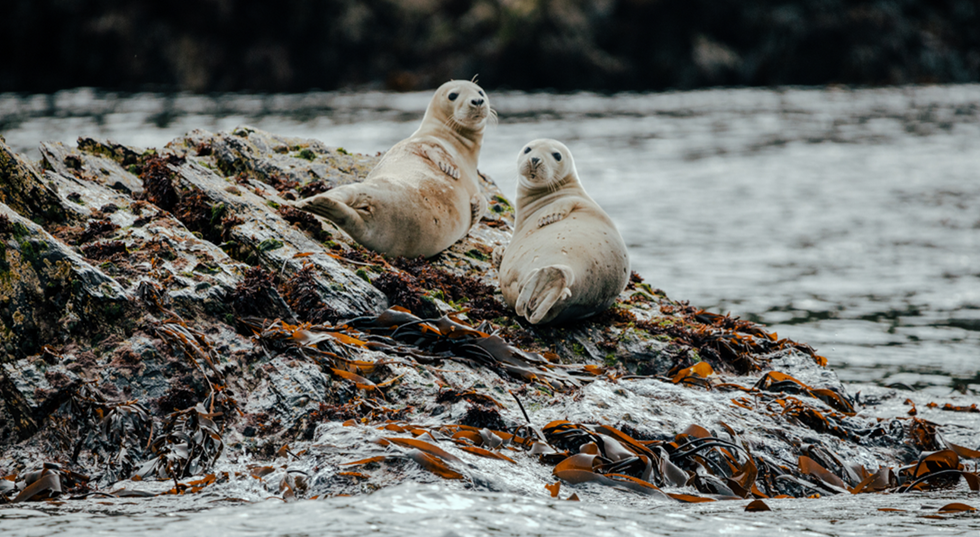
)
(171, 323)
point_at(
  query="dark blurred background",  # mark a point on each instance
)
(602, 45)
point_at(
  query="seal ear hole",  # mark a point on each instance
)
(453, 95)
(527, 150)
(556, 155)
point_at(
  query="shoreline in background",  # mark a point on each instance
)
(603, 45)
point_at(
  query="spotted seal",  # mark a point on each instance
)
(424, 194)
(566, 260)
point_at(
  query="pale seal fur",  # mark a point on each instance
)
(424, 194)
(566, 260)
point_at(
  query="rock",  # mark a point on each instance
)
(136, 242)
(22, 189)
(50, 294)
(169, 315)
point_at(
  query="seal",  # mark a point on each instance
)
(566, 260)
(424, 194)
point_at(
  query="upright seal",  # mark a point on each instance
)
(566, 260)
(424, 194)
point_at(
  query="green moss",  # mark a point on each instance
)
(19, 230)
(610, 358)
(114, 311)
(437, 293)
(269, 245)
(363, 275)
(307, 154)
(342, 151)
(501, 205)
(201, 267)
(578, 349)
(4, 265)
(653, 292)
(272, 204)
(476, 254)
(31, 250)
(217, 211)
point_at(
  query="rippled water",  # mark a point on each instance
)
(415, 509)
(846, 219)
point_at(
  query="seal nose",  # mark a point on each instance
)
(477, 102)
(535, 161)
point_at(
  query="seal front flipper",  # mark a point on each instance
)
(542, 290)
(478, 206)
(441, 158)
(556, 212)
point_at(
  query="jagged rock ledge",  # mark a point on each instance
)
(166, 313)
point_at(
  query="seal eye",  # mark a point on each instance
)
(453, 95)
(556, 155)
(481, 94)
(527, 150)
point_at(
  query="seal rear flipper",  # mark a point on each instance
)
(336, 210)
(478, 206)
(542, 290)
(497, 256)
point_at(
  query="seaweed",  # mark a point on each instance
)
(102, 251)
(305, 221)
(313, 188)
(190, 445)
(256, 294)
(300, 292)
(157, 182)
(406, 289)
(214, 221)
(97, 229)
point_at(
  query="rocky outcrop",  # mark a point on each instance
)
(170, 322)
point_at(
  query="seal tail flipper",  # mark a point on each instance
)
(541, 291)
(334, 206)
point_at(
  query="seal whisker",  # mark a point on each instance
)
(492, 119)
(453, 124)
